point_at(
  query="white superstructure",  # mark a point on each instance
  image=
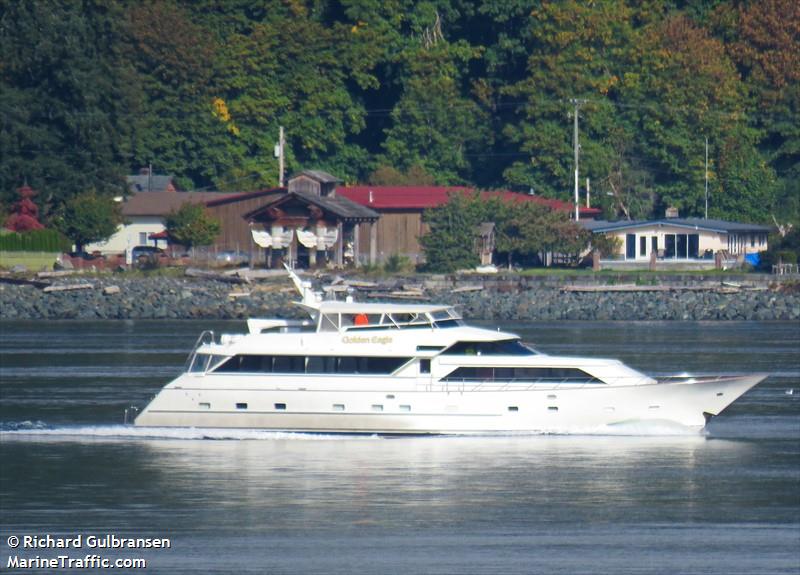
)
(415, 369)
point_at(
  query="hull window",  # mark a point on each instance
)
(280, 406)
(241, 406)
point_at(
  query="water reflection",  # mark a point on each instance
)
(287, 484)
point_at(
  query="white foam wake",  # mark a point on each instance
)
(39, 430)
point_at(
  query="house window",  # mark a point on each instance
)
(654, 244)
(642, 246)
(142, 238)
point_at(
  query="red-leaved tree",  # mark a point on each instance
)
(24, 213)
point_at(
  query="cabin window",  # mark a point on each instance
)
(553, 375)
(311, 364)
(338, 407)
(241, 406)
(404, 407)
(503, 347)
(430, 347)
(513, 408)
(204, 405)
(377, 407)
(424, 366)
(200, 363)
(280, 406)
(289, 364)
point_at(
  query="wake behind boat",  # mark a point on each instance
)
(388, 368)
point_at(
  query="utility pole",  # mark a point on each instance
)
(706, 177)
(281, 146)
(577, 103)
(588, 191)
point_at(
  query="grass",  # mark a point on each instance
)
(34, 261)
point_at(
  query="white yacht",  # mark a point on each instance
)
(415, 369)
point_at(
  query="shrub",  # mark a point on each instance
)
(43, 240)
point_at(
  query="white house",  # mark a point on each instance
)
(682, 239)
(144, 214)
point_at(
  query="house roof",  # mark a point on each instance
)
(161, 204)
(424, 197)
(339, 206)
(599, 226)
(147, 183)
(319, 175)
(237, 196)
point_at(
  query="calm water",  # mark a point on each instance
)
(250, 502)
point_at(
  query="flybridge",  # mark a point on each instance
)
(328, 316)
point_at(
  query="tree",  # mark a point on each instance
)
(528, 229)
(25, 213)
(450, 243)
(89, 217)
(192, 225)
(64, 125)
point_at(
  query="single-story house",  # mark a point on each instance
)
(682, 239)
(144, 214)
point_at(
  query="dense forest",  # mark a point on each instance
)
(477, 92)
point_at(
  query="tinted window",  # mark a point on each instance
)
(503, 347)
(522, 374)
(311, 364)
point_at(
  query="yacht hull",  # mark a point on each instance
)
(390, 407)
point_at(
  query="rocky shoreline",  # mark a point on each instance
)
(508, 298)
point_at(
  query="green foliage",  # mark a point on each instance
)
(606, 245)
(523, 230)
(449, 245)
(64, 125)
(89, 217)
(396, 263)
(390, 176)
(46, 240)
(784, 249)
(192, 225)
(438, 91)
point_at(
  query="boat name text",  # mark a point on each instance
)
(380, 339)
